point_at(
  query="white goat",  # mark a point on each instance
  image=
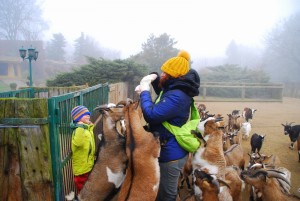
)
(245, 130)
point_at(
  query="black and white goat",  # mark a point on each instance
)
(294, 134)
(248, 113)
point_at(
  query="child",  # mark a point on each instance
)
(83, 145)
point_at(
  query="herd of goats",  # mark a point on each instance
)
(127, 166)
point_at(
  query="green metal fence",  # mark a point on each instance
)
(59, 109)
(22, 93)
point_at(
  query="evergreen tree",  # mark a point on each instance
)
(101, 71)
(86, 46)
(55, 48)
(156, 51)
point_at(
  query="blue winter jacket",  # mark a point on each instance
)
(174, 107)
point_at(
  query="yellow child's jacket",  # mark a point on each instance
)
(83, 149)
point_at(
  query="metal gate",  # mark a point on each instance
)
(59, 109)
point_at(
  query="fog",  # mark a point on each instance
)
(203, 27)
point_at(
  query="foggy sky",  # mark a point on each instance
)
(202, 27)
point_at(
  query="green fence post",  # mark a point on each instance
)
(55, 149)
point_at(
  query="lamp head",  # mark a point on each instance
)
(36, 55)
(22, 53)
(31, 53)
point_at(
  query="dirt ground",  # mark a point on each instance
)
(267, 120)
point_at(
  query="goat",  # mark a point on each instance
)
(248, 113)
(294, 134)
(258, 160)
(186, 171)
(212, 186)
(261, 161)
(234, 137)
(271, 184)
(211, 157)
(108, 172)
(256, 142)
(226, 139)
(235, 112)
(234, 155)
(201, 108)
(245, 130)
(233, 122)
(142, 149)
(209, 185)
(232, 178)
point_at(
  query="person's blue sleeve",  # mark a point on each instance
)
(168, 107)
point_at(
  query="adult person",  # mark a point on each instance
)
(83, 145)
(178, 84)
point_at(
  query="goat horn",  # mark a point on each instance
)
(277, 174)
(218, 119)
(101, 107)
(258, 171)
(291, 123)
(216, 184)
(121, 103)
(256, 165)
(223, 182)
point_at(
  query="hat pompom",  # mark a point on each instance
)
(184, 54)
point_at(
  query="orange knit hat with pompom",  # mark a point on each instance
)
(177, 66)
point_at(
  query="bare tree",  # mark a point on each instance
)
(21, 20)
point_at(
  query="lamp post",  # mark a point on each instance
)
(32, 54)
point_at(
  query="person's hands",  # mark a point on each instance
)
(146, 81)
(138, 89)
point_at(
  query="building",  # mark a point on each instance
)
(12, 68)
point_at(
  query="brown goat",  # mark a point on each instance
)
(232, 178)
(108, 172)
(201, 108)
(142, 148)
(234, 155)
(269, 183)
(257, 160)
(211, 157)
(234, 122)
(209, 185)
(186, 171)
